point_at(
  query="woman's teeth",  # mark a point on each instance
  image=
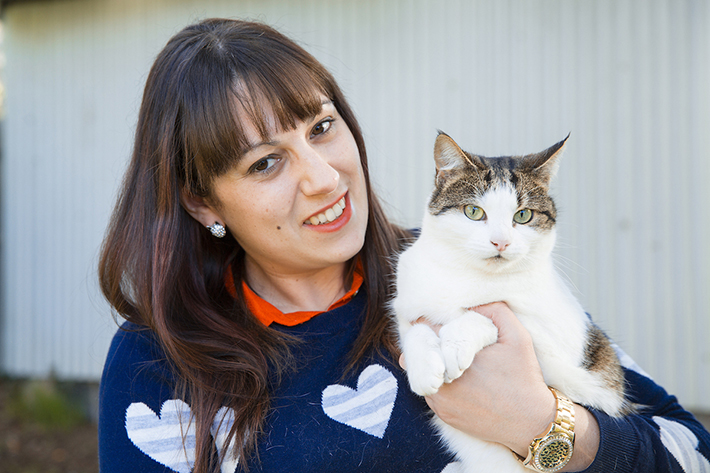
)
(330, 214)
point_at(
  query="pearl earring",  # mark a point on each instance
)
(217, 230)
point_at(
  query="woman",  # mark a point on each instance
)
(251, 260)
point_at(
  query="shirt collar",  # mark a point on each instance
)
(268, 314)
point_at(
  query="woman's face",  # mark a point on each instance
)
(297, 201)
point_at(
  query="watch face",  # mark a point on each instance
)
(554, 453)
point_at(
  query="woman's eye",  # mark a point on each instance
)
(264, 164)
(322, 127)
(473, 212)
(523, 216)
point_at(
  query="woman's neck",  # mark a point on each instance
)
(311, 290)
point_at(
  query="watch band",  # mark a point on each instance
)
(553, 450)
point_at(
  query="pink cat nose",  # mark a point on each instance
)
(500, 245)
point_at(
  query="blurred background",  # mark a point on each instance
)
(630, 79)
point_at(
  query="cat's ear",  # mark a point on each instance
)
(448, 155)
(545, 163)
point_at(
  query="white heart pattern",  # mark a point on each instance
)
(169, 438)
(220, 428)
(367, 408)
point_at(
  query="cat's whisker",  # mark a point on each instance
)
(568, 262)
(568, 280)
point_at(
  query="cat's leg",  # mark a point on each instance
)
(462, 338)
(587, 388)
(423, 357)
(589, 374)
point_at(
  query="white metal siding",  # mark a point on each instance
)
(629, 79)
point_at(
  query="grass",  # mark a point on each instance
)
(44, 404)
(44, 430)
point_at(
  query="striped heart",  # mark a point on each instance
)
(221, 426)
(161, 438)
(367, 408)
(169, 438)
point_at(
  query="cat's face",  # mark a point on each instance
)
(497, 212)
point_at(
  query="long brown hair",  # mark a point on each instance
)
(162, 270)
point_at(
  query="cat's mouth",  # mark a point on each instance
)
(497, 259)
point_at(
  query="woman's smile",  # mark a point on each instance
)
(332, 218)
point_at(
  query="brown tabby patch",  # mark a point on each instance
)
(600, 357)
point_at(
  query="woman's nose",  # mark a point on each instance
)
(317, 175)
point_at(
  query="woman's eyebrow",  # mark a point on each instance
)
(322, 106)
(253, 146)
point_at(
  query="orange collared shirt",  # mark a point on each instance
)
(269, 314)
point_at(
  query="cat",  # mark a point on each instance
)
(488, 235)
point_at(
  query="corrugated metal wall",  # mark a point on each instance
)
(629, 79)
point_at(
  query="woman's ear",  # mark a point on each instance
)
(200, 210)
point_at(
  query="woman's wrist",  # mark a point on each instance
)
(586, 440)
(586, 430)
(539, 415)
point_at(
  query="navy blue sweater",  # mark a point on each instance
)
(367, 422)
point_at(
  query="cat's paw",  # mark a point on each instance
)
(461, 339)
(425, 363)
(428, 377)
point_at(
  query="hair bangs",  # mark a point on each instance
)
(278, 93)
(210, 133)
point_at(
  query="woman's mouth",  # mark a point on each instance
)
(328, 215)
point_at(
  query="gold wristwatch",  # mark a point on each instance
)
(554, 449)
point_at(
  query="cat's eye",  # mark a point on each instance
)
(523, 216)
(473, 212)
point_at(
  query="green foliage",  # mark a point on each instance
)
(44, 404)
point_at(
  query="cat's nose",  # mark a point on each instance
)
(500, 245)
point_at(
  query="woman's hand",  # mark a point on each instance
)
(502, 397)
